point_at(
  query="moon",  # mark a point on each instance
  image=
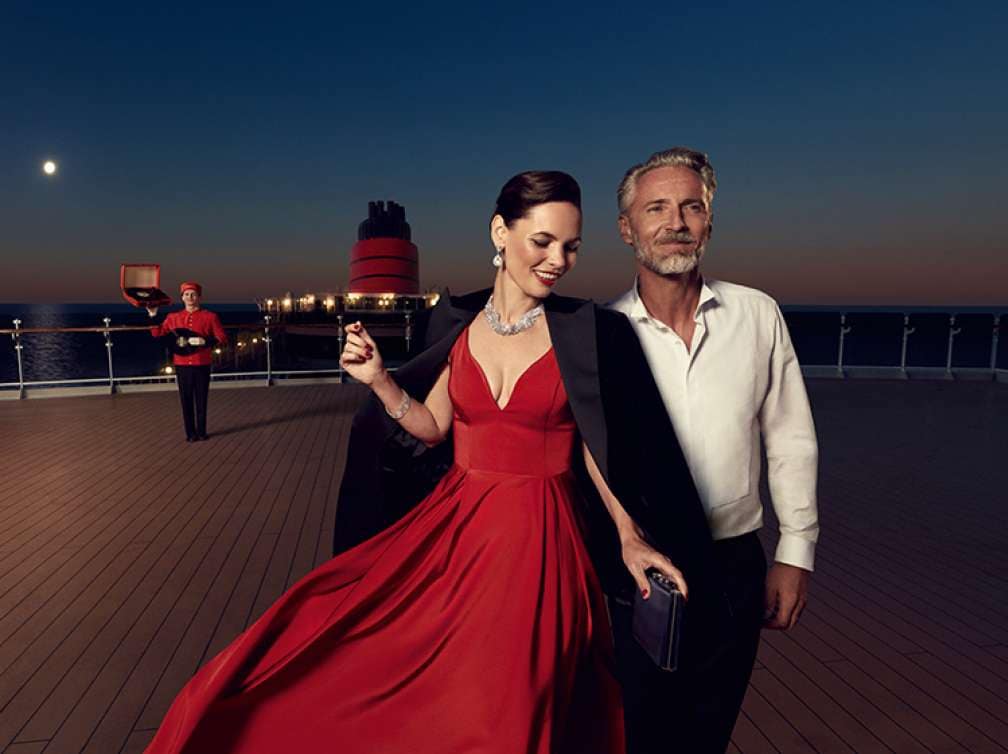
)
(49, 167)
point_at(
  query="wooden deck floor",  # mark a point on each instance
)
(127, 558)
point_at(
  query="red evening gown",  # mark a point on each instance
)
(474, 624)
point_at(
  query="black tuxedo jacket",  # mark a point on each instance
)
(620, 417)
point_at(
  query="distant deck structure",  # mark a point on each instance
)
(117, 582)
(385, 259)
(384, 275)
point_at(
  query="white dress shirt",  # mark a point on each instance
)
(738, 379)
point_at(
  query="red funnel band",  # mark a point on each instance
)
(384, 265)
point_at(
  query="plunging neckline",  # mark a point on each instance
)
(486, 382)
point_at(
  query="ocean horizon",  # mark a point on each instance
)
(874, 338)
(123, 307)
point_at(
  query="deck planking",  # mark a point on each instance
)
(128, 558)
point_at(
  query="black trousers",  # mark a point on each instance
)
(693, 710)
(194, 389)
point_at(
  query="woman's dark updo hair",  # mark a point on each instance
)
(532, 188)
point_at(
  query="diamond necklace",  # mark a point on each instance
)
(523, 323)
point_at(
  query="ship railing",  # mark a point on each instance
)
(941, 351)
(846, 326)
(112, 383)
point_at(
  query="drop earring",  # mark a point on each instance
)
(498, 259)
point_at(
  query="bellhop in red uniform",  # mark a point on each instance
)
(194, 331)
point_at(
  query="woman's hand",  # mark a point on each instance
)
(360, 357)
(639, 556)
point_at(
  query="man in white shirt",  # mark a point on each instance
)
(727, 373)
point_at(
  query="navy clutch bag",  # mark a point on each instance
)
(657, 621)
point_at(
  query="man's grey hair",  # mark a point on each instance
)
(674, 157)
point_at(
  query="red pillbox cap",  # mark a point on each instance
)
(191, 287)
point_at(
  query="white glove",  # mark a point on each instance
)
(197, 341)
(151, 311)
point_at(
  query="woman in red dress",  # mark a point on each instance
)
(475, 623)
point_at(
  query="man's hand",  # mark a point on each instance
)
(786, 595)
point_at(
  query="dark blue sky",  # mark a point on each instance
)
(860, 150)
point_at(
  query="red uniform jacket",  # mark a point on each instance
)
(202, 322)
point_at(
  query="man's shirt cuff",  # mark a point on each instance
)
(795, 551)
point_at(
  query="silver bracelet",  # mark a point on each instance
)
(402, 409)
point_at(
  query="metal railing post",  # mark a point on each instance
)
(269, 362)
(16, 337)
(108, 350)
(844, 329)
(994, 346)
(408, 332)
(907, 332)
(953, 331)
(339, 338)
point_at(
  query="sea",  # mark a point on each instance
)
(64, 356)
(874, 335)
(874, 338)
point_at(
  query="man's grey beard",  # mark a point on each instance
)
(676, 263)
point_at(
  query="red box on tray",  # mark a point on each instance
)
(141, 285)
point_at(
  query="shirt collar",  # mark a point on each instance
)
(637, 309)
(639, 312)
(707, 296)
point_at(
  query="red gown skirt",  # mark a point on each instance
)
(474, 624)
